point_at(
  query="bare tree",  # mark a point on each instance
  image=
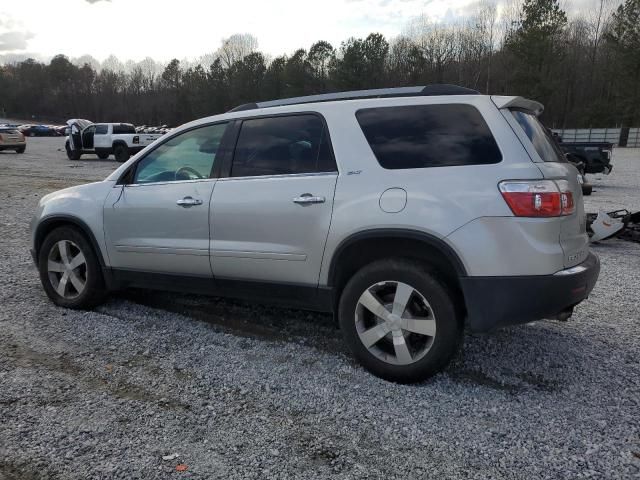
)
(236, 47)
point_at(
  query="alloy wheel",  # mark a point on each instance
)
(395, 322)
(67, 269)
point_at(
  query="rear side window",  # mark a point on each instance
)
(421, 136)
(124, 128)
(540, 137)
(101, 129)
(282, 145)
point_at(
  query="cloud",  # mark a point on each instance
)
(16, 40)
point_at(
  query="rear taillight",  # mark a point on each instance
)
(538, 198)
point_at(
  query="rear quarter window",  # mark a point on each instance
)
(539, 136)
(422, 136)
(124, 128)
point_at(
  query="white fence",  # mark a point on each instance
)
(611, 135)
(634, 137)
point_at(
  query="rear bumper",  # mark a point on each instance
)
(499, 301)
(12, 145)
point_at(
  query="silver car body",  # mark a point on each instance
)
(251, 228)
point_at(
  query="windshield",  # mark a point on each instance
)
(540, 137)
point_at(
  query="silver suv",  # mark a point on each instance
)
(408, 213)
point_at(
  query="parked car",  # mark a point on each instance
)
(104, 139)
(37, 131)
(12, 139)
(409, 213)
(596, 156)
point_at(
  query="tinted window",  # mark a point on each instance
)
(188, 156)
(124, 128)
(282, 145)
(419, 136)
(101, 129)
(542, 141)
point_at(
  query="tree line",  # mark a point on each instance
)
(585, 70)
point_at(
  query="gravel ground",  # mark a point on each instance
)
(239, 390)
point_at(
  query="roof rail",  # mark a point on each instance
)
(429, 90)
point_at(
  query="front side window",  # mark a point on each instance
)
(188, 156)
(102, 129)
(282, 145)
(540, 137)
(420, 136)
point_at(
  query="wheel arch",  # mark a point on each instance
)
(361, 248)
(50, 223)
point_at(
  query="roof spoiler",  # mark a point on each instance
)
(518, 102)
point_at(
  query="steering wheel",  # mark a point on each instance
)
(191, 173)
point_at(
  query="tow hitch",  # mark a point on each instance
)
(619, 223)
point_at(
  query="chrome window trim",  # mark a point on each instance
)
(282, 175)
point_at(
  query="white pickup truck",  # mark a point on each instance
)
(104, 139)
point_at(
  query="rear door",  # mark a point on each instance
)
(158, 220)
(553, 165)
(270, 216)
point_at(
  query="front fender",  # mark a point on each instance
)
(81, 206)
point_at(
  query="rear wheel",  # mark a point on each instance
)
(21, 149)
(121, 152)
(399, 320)
(69, 269)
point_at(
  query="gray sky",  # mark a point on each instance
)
(134, 29)
(188, 29)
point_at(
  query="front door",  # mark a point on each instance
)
(270, 217)
(158, 221)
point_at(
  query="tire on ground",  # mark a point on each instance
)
(72, 154)
(103, 156)
(449, 325)
(94, 291)
(21, 149)
(121, 152)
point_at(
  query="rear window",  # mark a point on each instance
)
(102, 129)
(124, 128)
(9, 131)
(422, 136)
(540, 137)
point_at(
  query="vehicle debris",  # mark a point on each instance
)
(172, 456)
(619, 223)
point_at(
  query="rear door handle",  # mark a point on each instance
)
(308, 199)
(187, 202)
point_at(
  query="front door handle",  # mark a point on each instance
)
(187, 202)
(308, 199)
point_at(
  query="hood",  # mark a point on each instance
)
(80, 122)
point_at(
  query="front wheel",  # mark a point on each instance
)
(103, 156)
(21, 149)
(69, 270)
(399, 321)
(72, 154)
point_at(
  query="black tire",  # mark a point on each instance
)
(72, 154)
(94, 291)
(587, 189)
(21, 149)
(448, 320)
(121, 152)
(103, 156)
